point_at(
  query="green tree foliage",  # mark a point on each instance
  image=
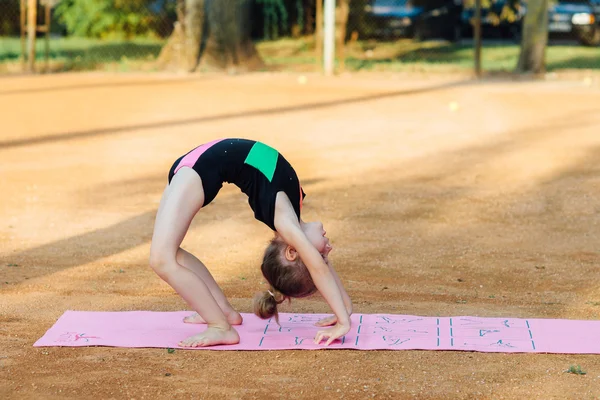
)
(275, 17)
(9, 17)
(129, 18)
(110, 18)
(280, 15)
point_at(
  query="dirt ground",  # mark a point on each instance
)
(441, 197)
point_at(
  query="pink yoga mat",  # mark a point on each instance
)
(297, 331)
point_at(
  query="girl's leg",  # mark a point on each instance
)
(181, 201)
(189, 261)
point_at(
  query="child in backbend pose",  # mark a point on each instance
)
(295, 263)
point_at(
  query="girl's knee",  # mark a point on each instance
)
(162, 262)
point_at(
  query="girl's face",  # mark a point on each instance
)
(316, 234)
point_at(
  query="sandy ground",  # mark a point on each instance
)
(487, 207)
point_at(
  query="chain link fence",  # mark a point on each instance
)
(372, 35)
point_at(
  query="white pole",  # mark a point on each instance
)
(329, 36)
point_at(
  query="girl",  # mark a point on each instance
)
(295, 263)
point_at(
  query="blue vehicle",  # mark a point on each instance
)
(576, 19)
(419, 19)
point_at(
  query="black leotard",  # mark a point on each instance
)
(257, 169)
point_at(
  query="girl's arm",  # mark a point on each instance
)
(287, 225)
(322, 275)
(328, 321)
(345, 297)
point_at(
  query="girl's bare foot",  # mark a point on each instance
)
(234, 318)
(210, 337)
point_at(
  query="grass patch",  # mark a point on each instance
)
(429, 56)
(67, 54)
(576, 370)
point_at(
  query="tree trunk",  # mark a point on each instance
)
(535, 37)
(309, 17)
(342, 11)
(193, 16)
(228, 45)
(183, 46)
(319, 31)
(31, 32)
(211, 34)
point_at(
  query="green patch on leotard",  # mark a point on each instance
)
(263, 158)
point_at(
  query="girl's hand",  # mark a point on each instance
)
(335, 332)
(327, 321)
